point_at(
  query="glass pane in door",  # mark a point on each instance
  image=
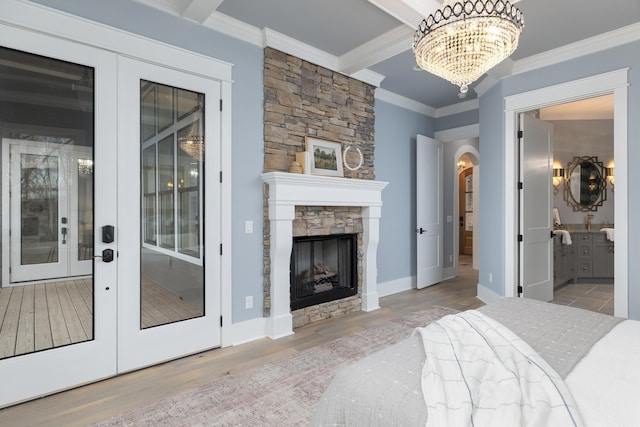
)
(172, 161)
(39, 209)
(46, 126)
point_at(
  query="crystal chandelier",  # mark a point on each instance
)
(193, 145)
(466, 38)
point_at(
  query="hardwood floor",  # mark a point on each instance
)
(93, 402)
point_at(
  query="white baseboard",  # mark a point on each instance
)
(487, 295)
(243, 332)
(395, 286)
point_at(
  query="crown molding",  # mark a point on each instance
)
(368, 76)
(304, 51)
(404, 102)
(594, 44)
(460, 107)
(234, 28)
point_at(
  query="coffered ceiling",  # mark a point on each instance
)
(371, 39)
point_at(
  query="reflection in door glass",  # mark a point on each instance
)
(46, 136)
(172, 163)
(39, 209)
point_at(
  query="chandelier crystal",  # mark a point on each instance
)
(466, 38)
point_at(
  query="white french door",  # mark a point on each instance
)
(108, 160)
(58, 325)
(48, 191)
(169, 158)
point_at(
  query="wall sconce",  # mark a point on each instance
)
(461, 166)
(558, 174)
(609, 172)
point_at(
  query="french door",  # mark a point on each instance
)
(169, 139)
(50, 203)
(107, 176)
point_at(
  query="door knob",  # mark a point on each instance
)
(421, 230)
(107, 255)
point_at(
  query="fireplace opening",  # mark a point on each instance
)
(323, 269)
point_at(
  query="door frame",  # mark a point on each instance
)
(613, 82)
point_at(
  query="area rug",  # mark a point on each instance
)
(283, 393)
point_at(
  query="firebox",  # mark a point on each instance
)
(323, 268)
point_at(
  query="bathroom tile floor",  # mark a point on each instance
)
(594, 297)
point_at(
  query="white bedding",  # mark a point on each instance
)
(478, 372)
(605, 384)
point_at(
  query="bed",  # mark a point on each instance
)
(593, 369)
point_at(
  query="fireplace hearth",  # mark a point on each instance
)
(323, 269)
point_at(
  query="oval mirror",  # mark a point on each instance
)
(585, 185)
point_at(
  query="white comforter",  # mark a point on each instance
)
(493, 379)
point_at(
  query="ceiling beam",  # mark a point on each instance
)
(377, 50)
(200, 10)
(407, 14)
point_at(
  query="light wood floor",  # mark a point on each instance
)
(81, 406)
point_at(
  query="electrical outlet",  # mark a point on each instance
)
(248, 227)
(490, 277)
(248, 302)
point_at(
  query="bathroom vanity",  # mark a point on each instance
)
(590, 258)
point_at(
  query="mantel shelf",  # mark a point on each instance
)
(312, 190)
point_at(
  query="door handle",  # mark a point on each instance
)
(64, 230)
(421, 230)
(107, 255)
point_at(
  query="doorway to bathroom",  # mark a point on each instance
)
(581, 179)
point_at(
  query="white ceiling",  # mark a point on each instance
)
(376, 35)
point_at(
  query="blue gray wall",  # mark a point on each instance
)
(395, 135)
(492, 153)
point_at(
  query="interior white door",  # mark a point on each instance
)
(169, 158)
(536, 206)
(59, 333)
(429, 226)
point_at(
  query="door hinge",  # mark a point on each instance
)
(551, 233)
(220, 177)
(221, 105)
(520, 134)
(520, 238)
(220, 248)
(221, 321)
(519, 289)
(520, 185)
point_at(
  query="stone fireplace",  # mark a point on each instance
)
(286, 191)
(304, 99)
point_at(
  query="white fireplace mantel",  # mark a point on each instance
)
(288, 190)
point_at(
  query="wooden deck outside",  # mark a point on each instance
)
(45, 315)
(48, 315)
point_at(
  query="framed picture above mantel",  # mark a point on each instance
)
(325, 157)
